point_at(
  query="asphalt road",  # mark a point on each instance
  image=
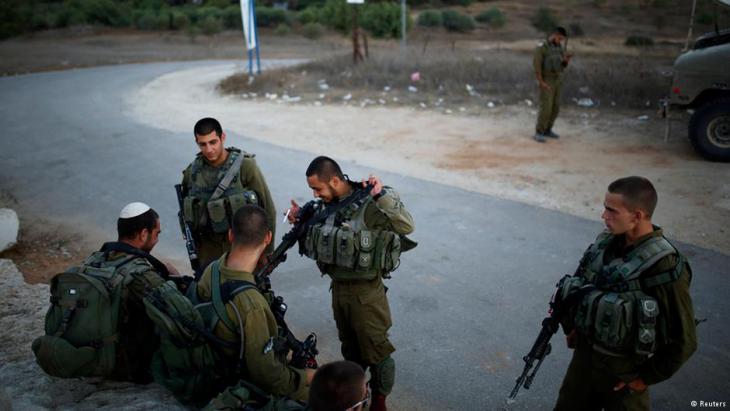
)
(467, 303)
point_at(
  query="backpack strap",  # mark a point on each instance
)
(217, 300)
(228, 177)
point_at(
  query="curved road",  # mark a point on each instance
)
(467, 303)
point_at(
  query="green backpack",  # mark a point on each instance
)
(81, 326)
(244, 396)
(188, 359)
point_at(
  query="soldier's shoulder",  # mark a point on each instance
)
(251, 299)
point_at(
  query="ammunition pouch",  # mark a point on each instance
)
(216, 214)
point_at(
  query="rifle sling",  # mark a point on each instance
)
(227, 178)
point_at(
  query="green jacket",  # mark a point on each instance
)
(676, 336)
(548, 59)
(262, 368)
(251, 178)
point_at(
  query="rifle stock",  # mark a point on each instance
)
(187, 235)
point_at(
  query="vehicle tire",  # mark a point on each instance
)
(709, 130)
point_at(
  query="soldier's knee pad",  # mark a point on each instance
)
(382, 376)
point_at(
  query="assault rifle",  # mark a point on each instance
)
(550, 325)
(187, 235)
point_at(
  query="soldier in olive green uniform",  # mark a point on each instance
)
(250, 312)
(549, 62)
(216, 184)
(357, 246)
(636, 328)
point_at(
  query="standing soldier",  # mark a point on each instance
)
(636, 328)
(216, 184)
(357, 246)
(549, 62)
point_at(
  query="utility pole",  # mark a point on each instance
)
(403, 20)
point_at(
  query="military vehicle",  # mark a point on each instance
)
(701, 84)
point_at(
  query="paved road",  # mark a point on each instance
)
(466, 303)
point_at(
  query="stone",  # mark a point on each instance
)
(9, 226)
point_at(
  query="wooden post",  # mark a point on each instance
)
(356, 53)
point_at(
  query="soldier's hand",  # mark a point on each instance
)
(571, 339)
(172, 270)
(375, 182)
(545, 85)
(310, 374)
(636, 385)
(293, 212)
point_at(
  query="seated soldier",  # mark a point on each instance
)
(338, 386)
(249, 313)
(91, 336)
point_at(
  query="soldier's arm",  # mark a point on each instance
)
(537, 59)
(140, 285)
(393, 208)
(185, 180)
(254, 179)
(680, 340)
(264, 369)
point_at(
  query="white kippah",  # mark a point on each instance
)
(133, 210)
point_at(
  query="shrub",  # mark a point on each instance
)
(704, 18)
(268, 17)
(149, 20)
(455, 21)
(544, 20)
(457, 2)
(308, 15)
(221, 4)
(429, 18)
(382, 19)
(639, 41)
(313, 31)
(282, 30)
(336, 15)
(307, 4)
(106, 12)
(202, 13)
(179, 20)
(232, 17)
(211, 25)
(493, 17)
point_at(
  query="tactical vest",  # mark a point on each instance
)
(204, 214)
(346, 249)
(81, 326)
(552, 61)
(618, 316)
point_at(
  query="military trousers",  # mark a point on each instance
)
(549, 103)
(211, 246)
(588, 385)
(362, 315)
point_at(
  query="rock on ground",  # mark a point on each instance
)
(26, 387)
(9, 225)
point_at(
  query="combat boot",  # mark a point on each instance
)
(539, 137)
(551, 134)
(378, 402)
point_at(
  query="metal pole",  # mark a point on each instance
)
(403, 23)
(691, 24)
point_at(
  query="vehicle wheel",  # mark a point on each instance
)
(709, 130)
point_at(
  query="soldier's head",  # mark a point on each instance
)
(326, 180)
(210, 138)
(249, 229)
(630, 201)
(139, 226)
(558, 35)
(339, 386)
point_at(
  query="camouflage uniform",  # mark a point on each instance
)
(548, 61)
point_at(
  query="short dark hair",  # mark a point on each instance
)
(638, 192)
(324, 168)
(207, 125)
(128, 228)
(560, 30)
(249, 226)
(336, 386)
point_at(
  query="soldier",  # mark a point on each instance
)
(216, 184)
(357, 247)
(126, 262)
(549, 61)
(637, 327)
(249, 312)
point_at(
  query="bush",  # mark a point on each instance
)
(308, 15)
(429, 18)
(455, 21)
(232, 17)
(336, 15)
(307, 4)
(639, 41)
(383, 19)
(221, 4)
(211, 25)
(544, 20)
(179, 21)
(704, 18)
(313, 31)
(282, 30)
(105, 12)
(457, 2)
(493, 17)
(268, 17)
